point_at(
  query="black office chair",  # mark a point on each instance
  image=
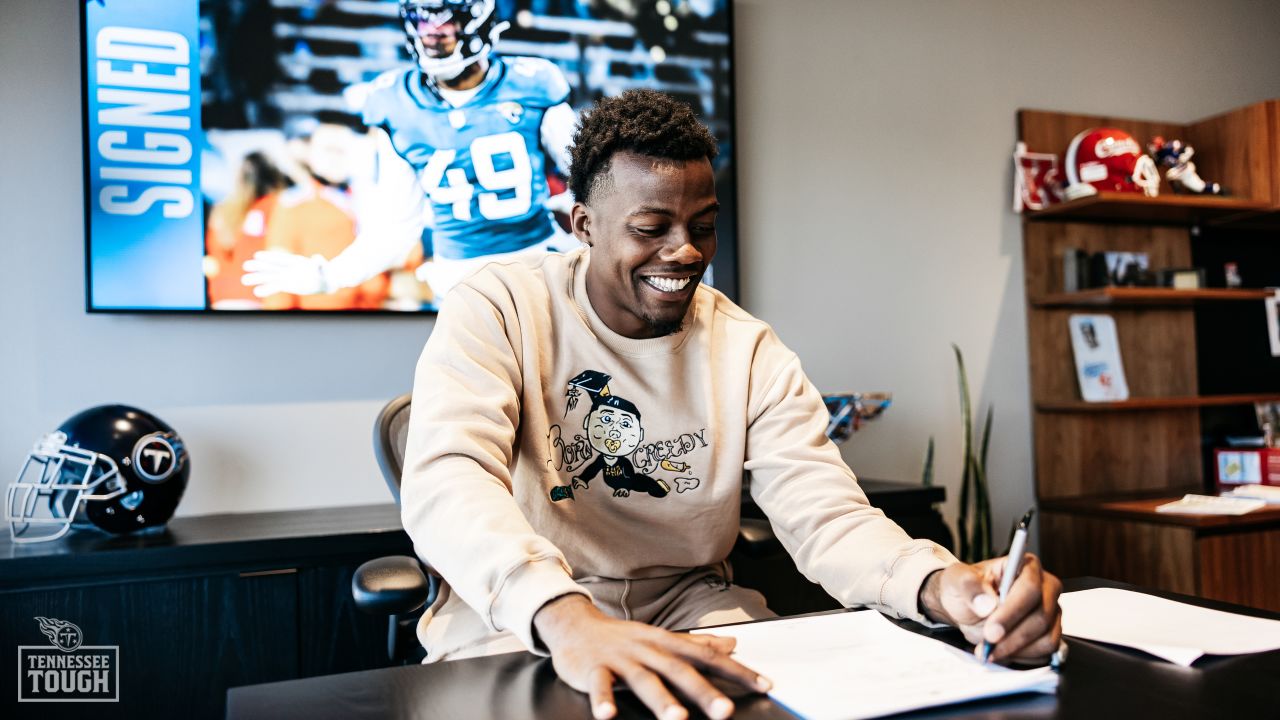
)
(397, 586)
(400, 586)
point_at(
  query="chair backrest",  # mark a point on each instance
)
(390, 433)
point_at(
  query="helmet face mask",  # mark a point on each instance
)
(474, 25)
(53, 486)
(115, 468)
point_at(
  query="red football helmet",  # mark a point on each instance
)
(1111, 160)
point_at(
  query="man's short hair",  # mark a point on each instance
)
(615, 402)
(645, 122)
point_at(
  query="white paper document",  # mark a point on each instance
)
(1269, 494)
(1175, 631)
(851, 665)
(1192, 504)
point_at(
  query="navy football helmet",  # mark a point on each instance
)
(478, 32)
(113, 467)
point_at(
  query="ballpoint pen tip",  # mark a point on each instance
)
(1026, 519)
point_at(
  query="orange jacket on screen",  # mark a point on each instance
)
(317, 220)
(229, 247)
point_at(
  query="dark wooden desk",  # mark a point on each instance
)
(1098, 681)
(1232, 558)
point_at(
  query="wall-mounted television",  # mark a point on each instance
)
(360, 155)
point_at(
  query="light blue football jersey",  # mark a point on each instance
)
(481, 165)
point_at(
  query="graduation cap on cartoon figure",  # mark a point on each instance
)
(593, 382)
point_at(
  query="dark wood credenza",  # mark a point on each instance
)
(218, 601)
(205, 604)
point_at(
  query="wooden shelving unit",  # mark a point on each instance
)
(1155, 403)
(1102, 468)
(1143, 509)
(1160, 210)
(1155, 296)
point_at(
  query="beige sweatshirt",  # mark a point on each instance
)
(544, 447)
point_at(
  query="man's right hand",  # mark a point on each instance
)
(591, 650)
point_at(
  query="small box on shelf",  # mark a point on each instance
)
(1182, 278)
(1246, 466)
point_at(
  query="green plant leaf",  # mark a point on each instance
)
(966, 414)
(981, 541)
(965, 522)
(983, 504)
(927, 479)
(985, 442)
(973, 523)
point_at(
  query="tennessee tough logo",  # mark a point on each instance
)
(67, 670)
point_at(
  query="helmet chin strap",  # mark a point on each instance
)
(446, 68)
(450, 71)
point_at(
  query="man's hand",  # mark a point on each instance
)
(591, 650)
(1026, 628)
(276, 271)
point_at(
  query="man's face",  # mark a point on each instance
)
(612, 431)
(652, 230)
(438, 33)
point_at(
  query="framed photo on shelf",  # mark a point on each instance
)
(1096, 347)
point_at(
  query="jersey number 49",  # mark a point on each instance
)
(493, 182)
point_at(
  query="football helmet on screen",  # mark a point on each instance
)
(477, 33)
(113, 467)
(1108, 159)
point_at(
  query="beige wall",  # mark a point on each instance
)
(874, 152)
(875, 142)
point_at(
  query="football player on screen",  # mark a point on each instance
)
(465, 138)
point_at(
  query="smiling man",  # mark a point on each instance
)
(497, 490)
(640, 282)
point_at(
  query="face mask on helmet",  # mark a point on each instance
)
(447, 36)
(1108, 160)
(114, 468)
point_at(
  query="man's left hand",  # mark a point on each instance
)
(1025, 628)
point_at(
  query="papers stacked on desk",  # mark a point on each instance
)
(1269, 494)
(1177, 632)
(1192, 504)
(852, 665)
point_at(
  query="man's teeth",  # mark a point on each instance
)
(668, 284)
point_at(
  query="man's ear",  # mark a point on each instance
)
(580, 223)
(586, 421)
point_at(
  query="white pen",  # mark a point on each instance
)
(1011, 565)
